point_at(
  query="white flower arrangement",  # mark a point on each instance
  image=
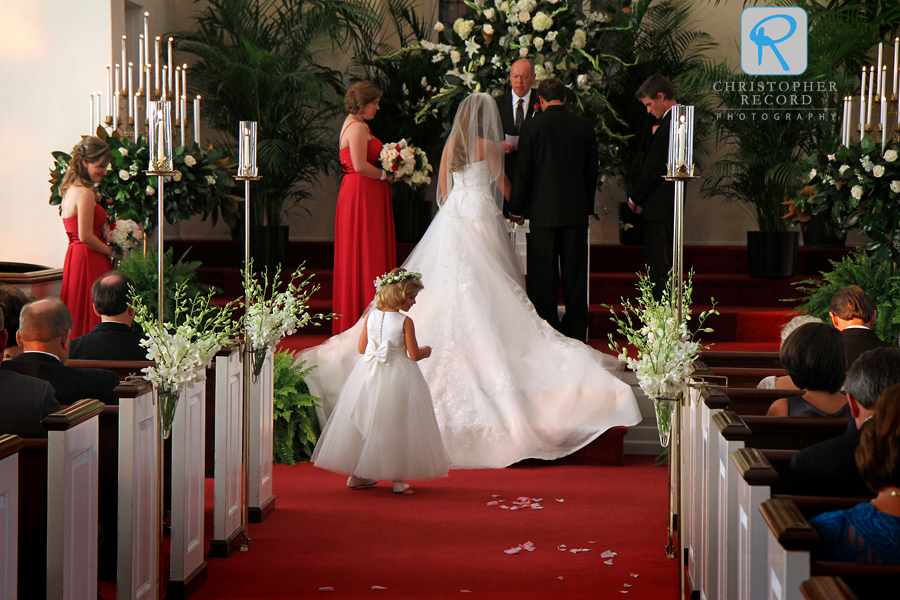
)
(182, 352)
(890, 155)
(406, 162)
(665, 348)
(190, 160)
(878, 171)
(271, 314)
(124, 175)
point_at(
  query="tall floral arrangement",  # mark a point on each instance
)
(665, 347)
(856, 186)
(272, 313)
(200, 186)
(181, 352)
(476, 51)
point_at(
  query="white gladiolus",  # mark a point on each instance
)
(472, 48)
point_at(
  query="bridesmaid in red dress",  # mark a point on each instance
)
(88, 255)
(364, 246)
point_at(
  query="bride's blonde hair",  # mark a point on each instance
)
(396, 287)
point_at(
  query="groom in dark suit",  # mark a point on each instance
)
(556, 178)
(516, 106)
(653, 196)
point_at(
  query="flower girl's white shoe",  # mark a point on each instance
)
(358, 482)
(400, 487)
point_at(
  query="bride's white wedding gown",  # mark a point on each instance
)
(506, 386)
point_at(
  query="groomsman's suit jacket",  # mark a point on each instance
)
(556, 173)
(858, 340)
(109, 341)
(652, 193)
(829, 468)
(69, 384)
(23, 403)
(508, 121)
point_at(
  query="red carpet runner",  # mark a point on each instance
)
(444, 538)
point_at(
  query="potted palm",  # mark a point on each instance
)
(761, 169)
(262, 60)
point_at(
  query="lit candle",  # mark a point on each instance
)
(247, 162)
(156, 63)
(137, 120)
(91, 129)
(883, 114)
(149, 76)
(130, 91)
(184, 81)
(197, 120)
(147, 34)
(862, 104)
(171, 71)
(141, 62)
(880, 89)
(99, 122)
(896, 67)
(124, 62)
(165, 78)
(183, 103)
(160, 142)
(681, 141)
(871, 89)
(177, 92)
(109, 88)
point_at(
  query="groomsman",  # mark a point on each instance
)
(653, 196)
(515, 107)
(556, 179)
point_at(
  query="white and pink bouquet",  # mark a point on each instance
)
(122, 235)
(406, 162)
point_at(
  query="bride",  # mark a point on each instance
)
(506, 386)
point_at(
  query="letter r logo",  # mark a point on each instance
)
(774, 40)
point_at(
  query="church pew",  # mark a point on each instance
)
(746, 377)
(790, 540)
(225, 377)
(261, 498)
(58, 529)
(753, 401)
(9, 513)
(122, 368)
(187, 569)
(826, 587)
(733, 358)
(733, 432)
(757, 478)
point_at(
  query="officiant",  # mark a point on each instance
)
(515, 107)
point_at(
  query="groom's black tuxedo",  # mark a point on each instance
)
(508, 121)
(656, 197)
(556, 178)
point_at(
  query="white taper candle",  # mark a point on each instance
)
(197, 120)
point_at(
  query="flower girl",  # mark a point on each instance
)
(383, 425)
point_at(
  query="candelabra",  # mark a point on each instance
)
(679, 169)
(247, 172)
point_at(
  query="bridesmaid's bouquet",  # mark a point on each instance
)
(406, 162)
(122, 235)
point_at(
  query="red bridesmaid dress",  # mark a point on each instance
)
(82, 268)
(364, 245)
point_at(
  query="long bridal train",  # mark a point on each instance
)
(506, 386)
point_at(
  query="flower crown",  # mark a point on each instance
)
(392, 278)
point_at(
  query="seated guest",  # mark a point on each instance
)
(870, 532)
(829, 468)
(852, 313)
(44, 334)
(24, 401)
(112, 338)
(813, 357)
(784, 382)
(12, 299)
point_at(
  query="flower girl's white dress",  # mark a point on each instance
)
(383, 426)
(506, 386)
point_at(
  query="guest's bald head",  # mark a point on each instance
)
(44, 321)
